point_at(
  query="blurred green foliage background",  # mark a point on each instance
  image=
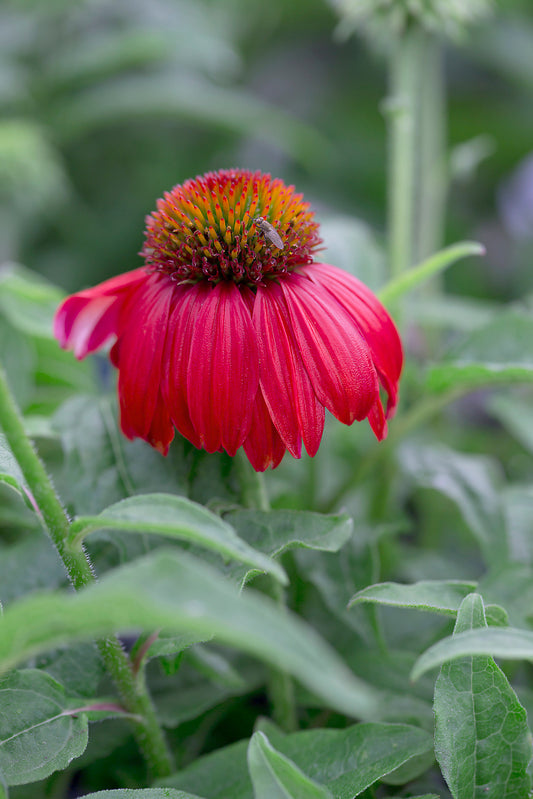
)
(105, 104)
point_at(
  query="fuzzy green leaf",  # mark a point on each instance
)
(38, 732)
(278, 531)
(482, 741)
(502, 642)
(176, 591)
(179, 518)
(275, 776)
(437, 596)
(344, 761)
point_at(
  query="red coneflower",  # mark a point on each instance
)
(231, 333)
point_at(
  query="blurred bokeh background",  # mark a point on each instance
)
(105, 104)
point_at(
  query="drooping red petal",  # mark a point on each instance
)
(141, 348)
(377, 419)
(161, 430)
(264, 447)
(335, 355)
(372, 319)
(85, 320)
(291, 401)
(181, 323)
(223, 372)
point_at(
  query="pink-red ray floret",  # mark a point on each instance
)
(264, 446)
(372, 319)
(86, 320)
(335, 354)
(142, 342)
(223, 372)
(289, 395)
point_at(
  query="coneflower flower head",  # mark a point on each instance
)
(232, 333)
(206, 229)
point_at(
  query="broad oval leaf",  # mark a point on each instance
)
(173, 590)
(277, 531)
(349, 761)
(482, 741)
(437, 596)
(38, 732)
(179, 518)
(344, 761)
(275, 776)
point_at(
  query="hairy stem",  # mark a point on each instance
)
(79, 569)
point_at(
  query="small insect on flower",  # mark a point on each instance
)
(269, 231)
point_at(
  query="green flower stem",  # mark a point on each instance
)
(78, 566)
(401, 108)
(280, 684)
(432, 178)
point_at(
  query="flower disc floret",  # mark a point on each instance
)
(212, 227)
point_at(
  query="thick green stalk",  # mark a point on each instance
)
(404, 79)
(431, 177)
(78, 566)
(280, 685)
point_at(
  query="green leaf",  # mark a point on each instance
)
(100, 466)
(175, 590)
(437, 596)
(195, 688)
(274, 776)
(10, 472)
(278, 531)
(337, 576)
(219, 775)
(78, 668)
(500, 352)
(511, 587)
(431, 266)
(179, 518)
(350, 760)
(28, 301)
(482, 741)
(345, 761)
(515, 415)
(503, 642)
(470, 482)
(30, 564)
(38, 733)
(142, 793)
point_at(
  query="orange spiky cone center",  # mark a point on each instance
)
(227, 225)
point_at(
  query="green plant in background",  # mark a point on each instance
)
(266, 648)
